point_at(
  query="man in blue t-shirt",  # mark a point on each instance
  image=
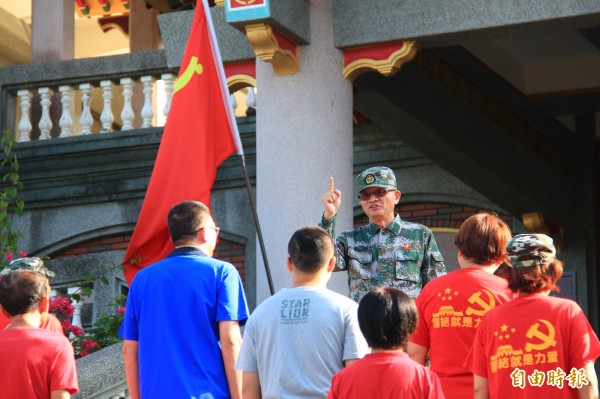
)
(183, 316)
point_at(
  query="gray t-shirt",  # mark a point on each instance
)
(297, 340)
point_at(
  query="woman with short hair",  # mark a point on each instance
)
(535, 346)
(452, 306)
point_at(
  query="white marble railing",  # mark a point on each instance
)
(87, 109)
(77, 305)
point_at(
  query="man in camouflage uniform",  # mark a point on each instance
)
(388, 251)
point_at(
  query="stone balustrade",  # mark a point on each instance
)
(78, 114)
(103, 94)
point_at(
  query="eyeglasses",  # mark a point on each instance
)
(366, 195)
(215, 228)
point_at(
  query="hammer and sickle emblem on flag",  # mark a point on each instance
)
(192, 69)
(547, 340)
(482, 306)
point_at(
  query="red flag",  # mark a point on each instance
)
(199, 135)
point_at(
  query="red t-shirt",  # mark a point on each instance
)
(35, 362)
(534, 347)
(48, 323)
(385, 375)
(450, 310)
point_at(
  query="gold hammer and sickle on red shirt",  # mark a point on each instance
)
(484, 306)
(547, 340)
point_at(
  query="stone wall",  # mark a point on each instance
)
(228, 251)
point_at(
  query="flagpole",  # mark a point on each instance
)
(236, 135)
(257, 224)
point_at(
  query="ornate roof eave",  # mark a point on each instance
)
(110, 8)
(387, 58)
(91, 8)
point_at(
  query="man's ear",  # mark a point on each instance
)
(331, 264)
(398, 194)
(288, 264)
(201, 235)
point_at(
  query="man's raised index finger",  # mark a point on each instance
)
(331, 184)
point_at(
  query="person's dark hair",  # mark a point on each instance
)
(503, 271)
(186, 219)
(387, 318)
(310, 249)
(539, 278)
(482, 238)
(21, 291)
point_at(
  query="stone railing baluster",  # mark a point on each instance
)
(251, 98)
(45, 122)
(107, 117)
(76, 319)
(234, 103)
(127, 114)
(86, 119)
(147, 111)
(24, 126)
(169, 79)
(66, 121)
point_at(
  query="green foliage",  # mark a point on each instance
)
(107, 325)
(104, 331)
(10, 204)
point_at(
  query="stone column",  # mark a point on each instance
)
(143, 35)
(304, 135)
(143, 27)
(52, 30)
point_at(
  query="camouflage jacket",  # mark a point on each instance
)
(403, 255)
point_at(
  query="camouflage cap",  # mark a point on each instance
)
(526, 250)
(33, 264)
(377, 176)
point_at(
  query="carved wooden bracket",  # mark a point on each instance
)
(387, 59)
(270, 46)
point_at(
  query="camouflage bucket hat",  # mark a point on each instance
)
(378, 176)
(526, 250)
(33, 264)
